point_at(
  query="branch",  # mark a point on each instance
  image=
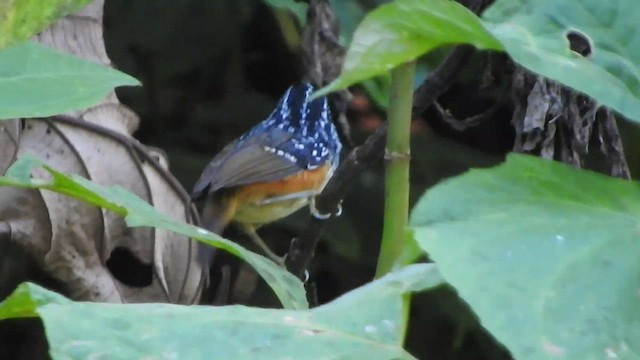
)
(323, 58)
(440, 81)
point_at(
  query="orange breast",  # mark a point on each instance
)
(248, 198)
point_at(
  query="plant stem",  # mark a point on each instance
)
(397, 155)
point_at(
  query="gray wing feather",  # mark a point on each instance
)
(246, 164)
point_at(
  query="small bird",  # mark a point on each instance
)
(274, 169)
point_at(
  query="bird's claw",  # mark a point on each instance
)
(316, 213)
(279, 260)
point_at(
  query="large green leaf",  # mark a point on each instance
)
(363, 324)
(36, 81)
(547, 256)
(403, 30)
(534, 33)
(20, 19)
(137, 212)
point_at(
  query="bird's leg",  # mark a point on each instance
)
(253, 234)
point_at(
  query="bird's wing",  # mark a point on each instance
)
(250, 162)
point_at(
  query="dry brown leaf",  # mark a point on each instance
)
(74, 241)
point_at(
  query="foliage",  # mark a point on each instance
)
(517, 241)
(36, 81)
(403, 30)
(365, 323)
(139, 213)
(533, 32)
(546, 255)
(19, 19)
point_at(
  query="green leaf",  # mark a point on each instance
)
(534, 34)
(365, 323)
(401, 31)
(20, 19)
(411, 252)
(546, 255)
(378, 89)
(36, 81)
(137, 212)
(350, 14)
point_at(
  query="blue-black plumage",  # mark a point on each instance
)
(298, 135)
(314, 137)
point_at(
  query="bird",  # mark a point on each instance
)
(274, 169)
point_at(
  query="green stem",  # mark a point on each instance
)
(396, 207)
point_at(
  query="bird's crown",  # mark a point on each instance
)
(315, 139)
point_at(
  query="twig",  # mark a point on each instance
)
(471, 121)
(323, 57)
(433, 86)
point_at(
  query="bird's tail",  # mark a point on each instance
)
(216, 215)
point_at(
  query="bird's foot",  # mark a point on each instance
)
(316, 213)
(251, 231)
